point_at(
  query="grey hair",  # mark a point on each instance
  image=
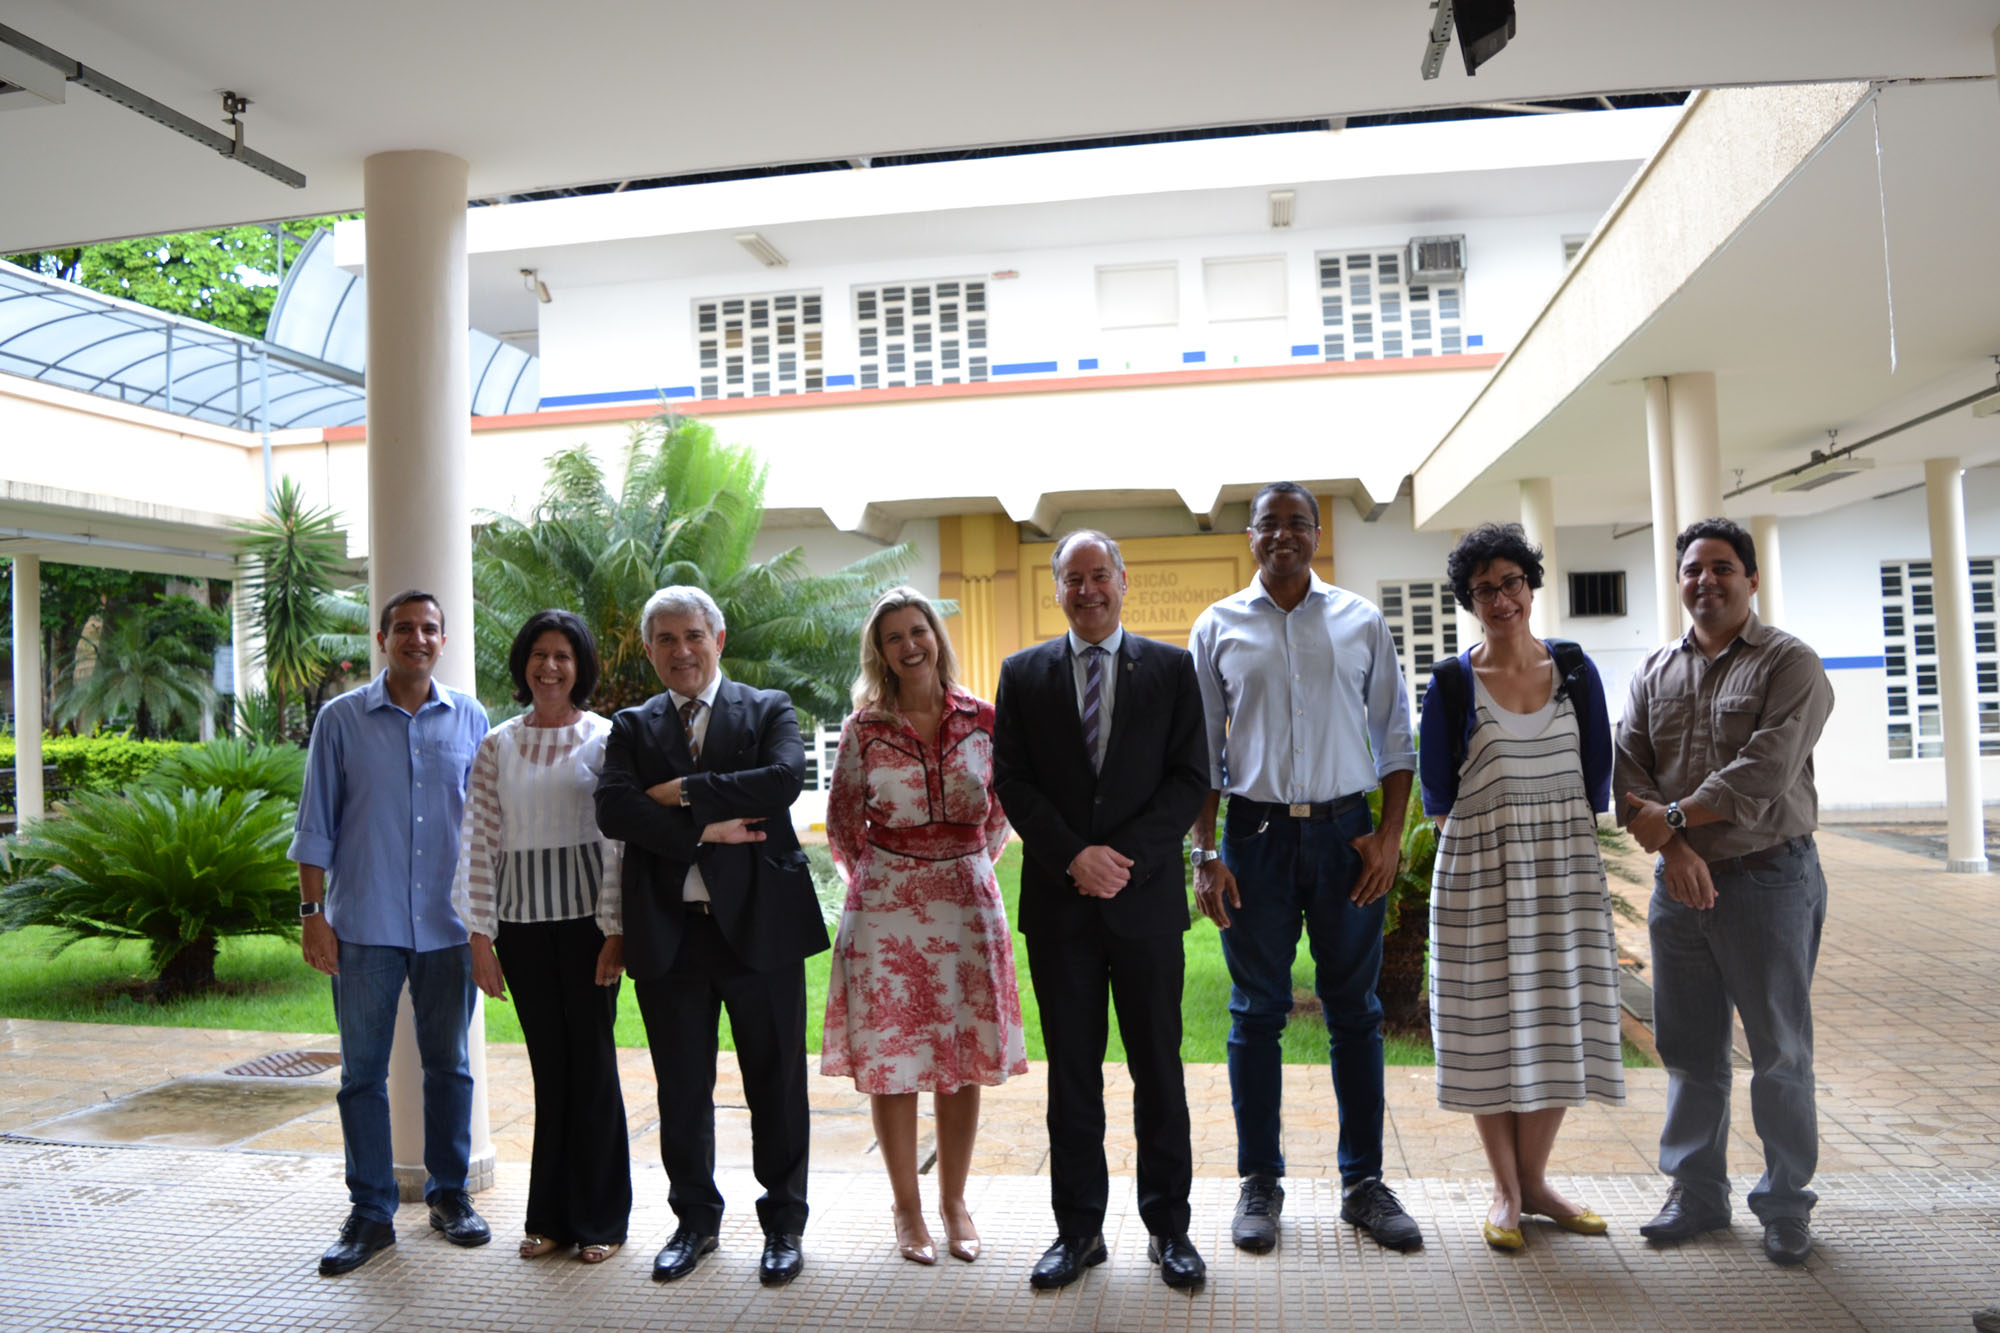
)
(1082, 535)
(680, 600)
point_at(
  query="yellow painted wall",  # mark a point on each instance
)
(1006, 594)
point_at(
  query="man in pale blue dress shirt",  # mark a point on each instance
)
(377, 847)
(1306, 715)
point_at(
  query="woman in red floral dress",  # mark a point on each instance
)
(923, 995)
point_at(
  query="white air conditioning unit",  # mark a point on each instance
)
(1437, 259)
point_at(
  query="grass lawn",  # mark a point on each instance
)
(267, 987)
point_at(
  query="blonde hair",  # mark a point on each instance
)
(875, 687)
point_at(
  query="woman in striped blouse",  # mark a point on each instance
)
(537, 889)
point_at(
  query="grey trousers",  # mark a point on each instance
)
(1754, 951)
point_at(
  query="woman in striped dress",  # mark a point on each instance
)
(537, 889)
(1515, 760)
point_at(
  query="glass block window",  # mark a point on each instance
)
(1909, 653)
(921, 333)
(758, 346)
(1423, 620)
(1367, 310)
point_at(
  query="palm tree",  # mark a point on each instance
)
(687, 511)
(294, 551)
(141, 676)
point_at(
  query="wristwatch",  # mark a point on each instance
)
(1676, 818)
(1201, 856)
(308, 909)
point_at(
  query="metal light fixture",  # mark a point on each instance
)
(761, 250)
(1826, 465)
(531, 278)
(1282, 202)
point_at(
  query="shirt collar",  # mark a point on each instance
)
(1316, 587)
(1112, 642)
(376, 693)
(707, 696)
(1754, 632)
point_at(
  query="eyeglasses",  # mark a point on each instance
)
(1484, 593)
(1270, 527)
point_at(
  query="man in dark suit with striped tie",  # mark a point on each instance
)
(1101, 761)
(719, 908)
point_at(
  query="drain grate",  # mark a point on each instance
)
(287, 1064)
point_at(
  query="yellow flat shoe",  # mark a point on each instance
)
(1503, 1238)
(1585, 1223)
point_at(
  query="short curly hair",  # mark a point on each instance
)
(1721, 529)
(571, 627)
(1481, 547)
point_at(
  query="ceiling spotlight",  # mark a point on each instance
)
(761, 250)
(1484, 26)
(1990, 404)
(531, 278)
(1281, 208)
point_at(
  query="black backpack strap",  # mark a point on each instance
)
(1569, 661)
(1449, 678)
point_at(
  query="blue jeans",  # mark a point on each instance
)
(1297, 871)
(1755, 950)
(365, 994)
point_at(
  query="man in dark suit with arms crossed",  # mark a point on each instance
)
(719, 910)
(1101, 762)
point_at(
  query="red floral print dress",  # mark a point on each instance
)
(922, 995)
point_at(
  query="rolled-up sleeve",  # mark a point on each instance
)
(1797, 701)
(1214, 699)
(317, 826)
(1388, 705)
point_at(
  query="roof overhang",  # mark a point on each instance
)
(1752, 246)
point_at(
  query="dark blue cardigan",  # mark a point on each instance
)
(1437, 761)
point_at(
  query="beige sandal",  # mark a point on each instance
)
(534, 1247)
(597, 1254)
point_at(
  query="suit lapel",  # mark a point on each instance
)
(1059, 681)
(669, 734)
(724, 722)
(1127, 666)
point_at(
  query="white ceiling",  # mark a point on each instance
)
(1794, 316)
(537, 96)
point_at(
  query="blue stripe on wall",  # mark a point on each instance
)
(1026, 368)
(1305, 349)
(1088, 363)
(1192, 357)
(617, 396)
(1853, 663)
(840, 381)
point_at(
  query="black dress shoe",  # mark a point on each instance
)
(1063, 1262)
(1180, 1263)
(783, 1259)
(679, 1256)
(361, 1238)
(1787, 1241)
(1258, 1205)
(1374, 1208)
(1682, 1218)
(451, 1213)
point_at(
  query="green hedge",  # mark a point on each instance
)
(96, 763)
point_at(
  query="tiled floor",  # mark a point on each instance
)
(164, 1235)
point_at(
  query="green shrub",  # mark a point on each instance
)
(177, 870)
(96, 763)
(232, 765)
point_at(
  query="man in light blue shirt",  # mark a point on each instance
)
(1306, 715)
(377, 848)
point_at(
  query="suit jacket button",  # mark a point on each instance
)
(1098, 801)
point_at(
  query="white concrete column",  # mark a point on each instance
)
(1660, 465)
(1538, 520)
(1770, 588)
(1697, 447)
(28, 797)
(1951, 591)
(1469, 629)
(419, 506)
(247, 638)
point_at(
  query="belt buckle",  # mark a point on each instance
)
(1300, 809)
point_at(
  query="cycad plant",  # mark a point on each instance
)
(686, 511)
(179, 870)
(232, 765)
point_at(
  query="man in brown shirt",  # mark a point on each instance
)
(1715, 773)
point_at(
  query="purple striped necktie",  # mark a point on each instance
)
(1093, 698)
